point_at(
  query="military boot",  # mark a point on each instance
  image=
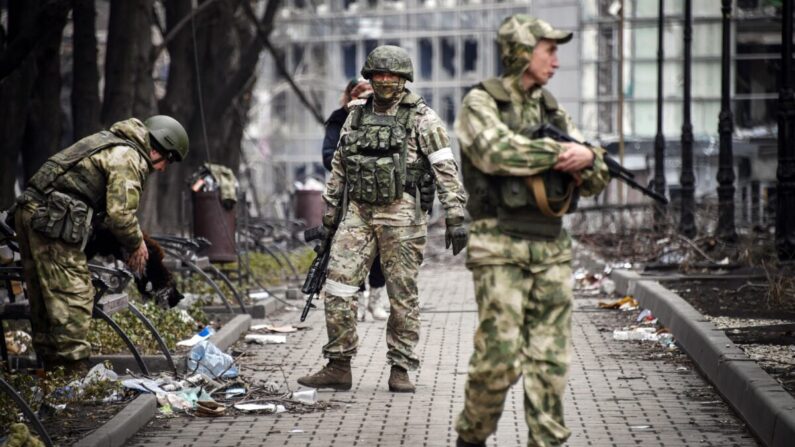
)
(461, 443)
(399, 380)
(336, 375)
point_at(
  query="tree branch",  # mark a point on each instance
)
(264, 30)
(178, 27)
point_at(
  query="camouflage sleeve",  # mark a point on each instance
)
(595, 178)
(435, 144)
(493, 147)
(335, 185)
(125, 172)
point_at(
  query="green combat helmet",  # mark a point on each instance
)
(168, 137)
(518, 34)
(389, 59)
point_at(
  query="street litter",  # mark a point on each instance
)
(646, 316)
(266, 339)
(259, 295)
(209, 408)
(18, 342)
(143, 385)
(269, 327)
(267, 408)
(206, 358)
(203, 335)
(308, 396)
(640, 333)
(625, 303)
(608, 286)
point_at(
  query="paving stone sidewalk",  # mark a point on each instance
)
(618, 393)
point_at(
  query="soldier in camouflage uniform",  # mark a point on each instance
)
(387, 144)
(519, 255)
(97, 180)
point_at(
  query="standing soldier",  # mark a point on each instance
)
(519, 255)
(98, 179)
(387, 145)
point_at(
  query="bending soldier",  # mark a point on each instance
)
(97, 180)
(519, 255)
(387, 145)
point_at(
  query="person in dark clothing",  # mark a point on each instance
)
(374, 302)
(355, 89)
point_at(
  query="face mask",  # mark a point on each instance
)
(387, 90)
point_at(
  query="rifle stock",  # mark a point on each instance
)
(614, 168)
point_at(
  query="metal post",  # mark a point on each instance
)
(620, 112)
(687, 179)
(659, 139)
(725, 229)
(785, 174)
(755, 201)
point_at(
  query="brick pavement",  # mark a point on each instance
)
(619, 393)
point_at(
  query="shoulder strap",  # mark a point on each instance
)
(62, 162)
(495, 89)
(550, 103)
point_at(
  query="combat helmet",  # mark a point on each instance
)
(518, 34)
(389, 59)
(168, 137)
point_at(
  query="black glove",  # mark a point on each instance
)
(456, 234)
(427, 192)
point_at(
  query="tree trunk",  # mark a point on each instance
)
(43, 129)
(129, 21)
(14, 93)
(85, 81)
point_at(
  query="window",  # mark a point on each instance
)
(470, 55)
(349, 63)
(426, 59)
(448, 55)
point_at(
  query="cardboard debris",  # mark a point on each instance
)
(626, 303)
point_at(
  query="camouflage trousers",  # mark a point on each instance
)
(352, 253)
(60, 293)
(524, 329)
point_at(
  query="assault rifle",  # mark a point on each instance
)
(316, 276)
(616, 170)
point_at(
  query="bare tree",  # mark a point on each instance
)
(85, 73)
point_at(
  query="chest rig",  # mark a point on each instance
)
(526, 207)
(374, 153)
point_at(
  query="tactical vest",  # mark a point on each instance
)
(517, 202)
(59, 173)
(69, 194)
(374, 153)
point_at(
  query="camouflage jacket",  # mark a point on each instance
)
(495, 149)
(122, 169)
(427, 137)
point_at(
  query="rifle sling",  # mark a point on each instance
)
(536, 184)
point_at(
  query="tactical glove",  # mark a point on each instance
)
(456, 234)
(427, 192)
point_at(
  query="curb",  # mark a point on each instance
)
(124, 425)
(224, 338)
(764, 405)
(231, 331)
(143, 408)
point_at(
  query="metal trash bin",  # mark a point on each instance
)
(216, 223)
(309, 207)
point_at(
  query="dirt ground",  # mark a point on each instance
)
(740, 288)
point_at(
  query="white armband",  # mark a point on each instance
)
(441, 155)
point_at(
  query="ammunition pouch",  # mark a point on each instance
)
(63, 217)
